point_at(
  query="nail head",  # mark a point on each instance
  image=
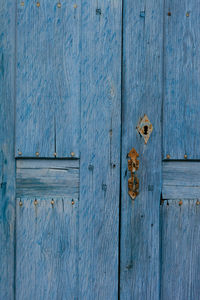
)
(75, 5)
(168, 156)
(72, 154)
(35, 202)
(20, 153)
(22, 3)
(185, 156)
(58, 4)
(37, 153)
(180, 203)
(52, 202)
(38, 4)
(20, 203)
(73, 202)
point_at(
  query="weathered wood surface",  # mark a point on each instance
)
(142, 94)
(46, 249)
(47, 79)
(180, 250)
(100, 149)
(42, 177)
(181, 180)
(7, 163)
(181, 133)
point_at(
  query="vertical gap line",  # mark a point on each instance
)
(162, 147)
(14, 147)
(120, 181)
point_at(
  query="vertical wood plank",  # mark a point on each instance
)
(180, 250)
(142, 94)
(181, 133)
(100, 149)
(48, 79)
(34, 79)
(46, 250)
(7, 163)
(67, 78)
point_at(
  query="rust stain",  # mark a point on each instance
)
(133, 181)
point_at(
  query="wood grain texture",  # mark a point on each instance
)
(7, 163)
(47, 79)
(181, 133)
(46, 249)
(100, 149)
(142, 94)
(180, 250)
(47, 178)
(181, 180)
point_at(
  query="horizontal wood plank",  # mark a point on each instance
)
(47, 178)
(181, 180)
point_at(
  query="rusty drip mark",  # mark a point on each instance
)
(133, 181)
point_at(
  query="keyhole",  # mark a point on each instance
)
(145, 129)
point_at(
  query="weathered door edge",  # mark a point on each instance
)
(7, 161)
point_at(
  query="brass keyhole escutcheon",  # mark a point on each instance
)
(145, 128)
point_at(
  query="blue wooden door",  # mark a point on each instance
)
(86, 87)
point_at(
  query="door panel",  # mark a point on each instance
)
(142, 94)
(100, 149)
(47, 79)
(180, 250)
(181, 134)
(46, 248)
(82, 84)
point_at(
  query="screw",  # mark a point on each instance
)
(168, 156)
(185, 156)
(38, 4)
(20, 203)
(142, 14)
(98, 11)
(37, 154)
(20, 153)
(72, 154)
(35, 202)
(59, 5)
(180, 203)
